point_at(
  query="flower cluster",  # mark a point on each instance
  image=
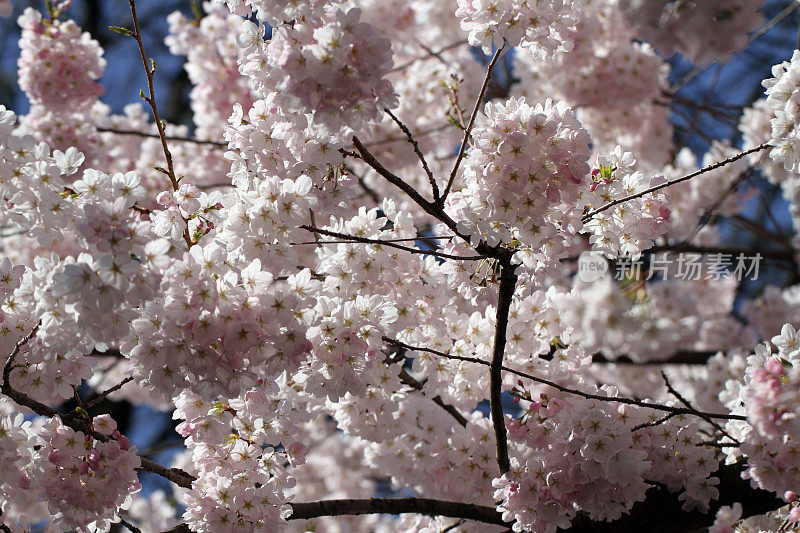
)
(58, 65)
(213, 329)
(212, 66)
(541, 26)
(629, 227)
(278, 12)
(321, 331)
(272, 143)
(614, 84)
(783, 98)
(332, 66)
(642, 322)
(523, 177)
(17, 440)
(83, 479)
(32, 185)
(241, 477)
(9, 279)
(701, 30)
(771, 397)
(603, 457)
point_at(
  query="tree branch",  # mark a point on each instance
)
(105, 393)
(433, 209)
(149, 70)
(420, 155)
(685, 402)
(588, 216)
(130, 526)
(478, 102)
(388, 243)
(567, 390)
(508, 282)
(406, 378)
(426, 506)
(176, 475)
(168, 137)
(661, 511)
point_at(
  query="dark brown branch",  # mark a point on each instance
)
(431, 53)
(148, 69)
(105, 393)
(420, 155)
(388, 243)
(168, 137)
(567, 390)
(433, 209)
(678, 358)
(588, 216)
(654, 423)
(130, 526)
(426, 506)
(176, 475)
(661, 511)
(406, 378)
(766, 253)
(10, 361)
(685, 402)
(508, 283)
(478, 104)
(4, 528)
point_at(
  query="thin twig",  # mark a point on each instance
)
(431, 53)
(567, 390)
(388, 243)
(417, 385)
(382, 241)
(77, 396)
(655, 422)
(176, 475)
(152, 98)
(10, 361)
(433, 209)
(168, 137)
(160, 125)
(468, 131)
(103, 394)
(685, 402)
(420, 155)
(588, 216)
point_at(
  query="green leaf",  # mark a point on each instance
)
(122, 31)
(198, 13)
